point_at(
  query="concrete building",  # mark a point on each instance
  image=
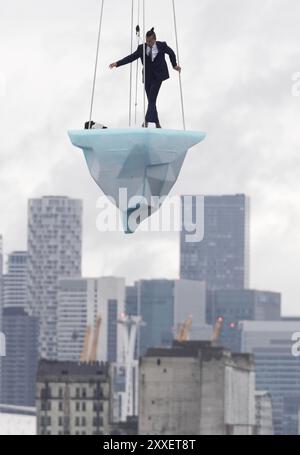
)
(195, 388)
(263, 414)
(54, 252)
(277, 368)
(80, 302)
(17, 424)
(1, 284)
(19, 367)
(15, 281)
(237, 305)
(163, 305)
(73, 398)
(221, 259)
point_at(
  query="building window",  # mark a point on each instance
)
(60, 406)
(83, 421)
(98, 407)
(98, 421)
(84, 407)
(77, 393)
(83, 393)
(46, 393)
(98, 392)
(77, 406)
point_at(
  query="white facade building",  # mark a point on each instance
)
(80, 303)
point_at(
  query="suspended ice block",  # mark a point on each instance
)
(146, 162)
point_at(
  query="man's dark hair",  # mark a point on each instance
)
(151, 33)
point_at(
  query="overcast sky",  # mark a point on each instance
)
(238, 58)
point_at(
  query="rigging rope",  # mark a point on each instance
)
(131, 75)
(144, 58)
(96, 63)
(180, 81)
(138, 34)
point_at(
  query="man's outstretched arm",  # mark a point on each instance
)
(172, 56)
(129, 59)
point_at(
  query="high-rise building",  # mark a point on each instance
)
(131, 308)
(19, 367)
(81, 301)
(165, 304)
(73, 398)
(277, 369)
(1, 282)
(54, 252)
(15, 281)
(238, 305)
(195, 388)
(2, 335)
(221, 259)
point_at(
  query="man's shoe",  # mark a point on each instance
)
(158, 125)
(145, 125)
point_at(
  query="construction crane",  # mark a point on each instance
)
(93, 355)
(89, 354)
(217, 331)
(84, 357)
(184, 329)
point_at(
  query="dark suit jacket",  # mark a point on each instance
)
(158, 69)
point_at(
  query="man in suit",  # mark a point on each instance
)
(155, 70)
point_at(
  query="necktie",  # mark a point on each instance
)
(150, 54)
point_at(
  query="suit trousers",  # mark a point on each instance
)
(152, 88)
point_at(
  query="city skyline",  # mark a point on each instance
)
(9, 254)
(242, 96)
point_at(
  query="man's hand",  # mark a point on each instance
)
(177, 68)
(112, 65)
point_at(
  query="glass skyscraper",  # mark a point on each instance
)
(240, 305)
(277, 370)
(221, 259)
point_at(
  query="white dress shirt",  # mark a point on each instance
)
(154, 51)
